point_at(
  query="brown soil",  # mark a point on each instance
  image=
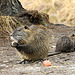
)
(62, 64)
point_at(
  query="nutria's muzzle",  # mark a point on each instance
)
(14, 44)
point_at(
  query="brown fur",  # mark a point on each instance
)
(31, 42)
(64, 44)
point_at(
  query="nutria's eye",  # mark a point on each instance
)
(73, 35)
(26, 27)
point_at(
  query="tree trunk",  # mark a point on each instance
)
(10, 7)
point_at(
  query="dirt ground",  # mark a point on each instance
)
(62, 64)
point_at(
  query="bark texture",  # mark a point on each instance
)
(10, 7)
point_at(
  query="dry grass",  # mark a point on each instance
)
(5, 28)
(60, 11)
(7, 24)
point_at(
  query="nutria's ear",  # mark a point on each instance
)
(26, 27)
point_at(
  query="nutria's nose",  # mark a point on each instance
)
(14, 44)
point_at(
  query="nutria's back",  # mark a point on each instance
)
(64, 44)
(31, 42)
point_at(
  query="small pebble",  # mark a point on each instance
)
(47, 63)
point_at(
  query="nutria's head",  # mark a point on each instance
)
(19, 34)
(72, 36)
(73, 39)
(22, 34)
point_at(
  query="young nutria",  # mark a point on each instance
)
(32, 42)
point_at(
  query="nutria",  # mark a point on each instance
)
(31, 42)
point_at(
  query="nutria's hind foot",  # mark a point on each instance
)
(25, 61)
(31, 61)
